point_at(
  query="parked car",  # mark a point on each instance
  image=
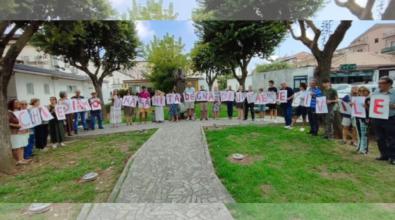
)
(339, 87)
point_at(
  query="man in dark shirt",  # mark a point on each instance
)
(272, 107)
(249, 106)
(229, 104)
(287, 107)
(95, 113)
(331, 100)
(76, 115)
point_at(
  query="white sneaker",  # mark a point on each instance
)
(290, 127)
(287, 127)
(302, 129)
(62, 144)
(54, 146)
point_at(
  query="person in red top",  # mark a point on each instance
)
(144, 95)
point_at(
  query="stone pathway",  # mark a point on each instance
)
(155, 212)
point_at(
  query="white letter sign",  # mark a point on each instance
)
(118, 104)
(379, 106)
(357, 109)
(68, 106)
(240, 97)
(224, 96)
(35, 116)
(158, 101)
(271, 98)
(283, 96)
(95, 104)
(321, 107)
(59, 111)
(344, 108)
(24, 119)
(45, 114)
(296, 99)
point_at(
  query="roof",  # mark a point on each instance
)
(300, 55)
(50, 72)
(372, 28)
(364, 58)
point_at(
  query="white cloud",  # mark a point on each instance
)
(144, 30)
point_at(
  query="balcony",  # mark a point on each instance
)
(390, 33)
(388, 50)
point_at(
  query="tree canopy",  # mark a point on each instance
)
(258, 9)
(164, 57)
(260, 68)
(238, 42)
(106, 45)
(153, 10)
(204, 61)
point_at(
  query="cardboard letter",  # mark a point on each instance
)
(307, 99)
(59, 111)
(118, 104)
(271, 98)
(35, 116)
(45, 114)
(67, 105)
(211, 97)
(170, 98)
(321, 107)
(240, 97)
(283, 96)
(231, 96)
(344, 108)
(296, 99)
(177, 99)
(357, 109)
(251, 97)
(379, 106)
(96, 104)
(224, 96)
(24, 119)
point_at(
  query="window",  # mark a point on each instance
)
(376, 40)
(393, 44)
(71, 89)
(30, 88)
(46, 89)
(361, 50)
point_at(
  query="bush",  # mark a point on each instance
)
(108, 107)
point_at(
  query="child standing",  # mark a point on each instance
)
(173, 109)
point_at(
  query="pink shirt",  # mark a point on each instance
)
(144, 95)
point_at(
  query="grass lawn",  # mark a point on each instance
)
(291, 166)
(305, 211)
(19, 211)
(222, 114)
(53, 176)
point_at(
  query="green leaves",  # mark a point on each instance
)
(152, 11)
(272, 67)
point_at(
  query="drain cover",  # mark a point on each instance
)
(238, 156)
(40, 207)
(90, 177)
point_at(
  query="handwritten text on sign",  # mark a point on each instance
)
(130, 101)
(379, 106)
(95, 103)
(173, 98)
(158, 101)
(189, 97)
(24, 119)
(35, 116)
(321, 107)
(59, 111)
(344, 108)
(240, 97)
(204, 96)
(357, 108)
(283, 96)
(296, 100)
(117, 104)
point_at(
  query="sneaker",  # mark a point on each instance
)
(343, 142)
(287, 126)
(302, 129)
(62, 144)
(290, 127)
(187, 119)
(54, 146)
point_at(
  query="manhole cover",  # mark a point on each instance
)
(90, 177)
(238, 156)
(40, 207)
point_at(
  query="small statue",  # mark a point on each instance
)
(179, 79)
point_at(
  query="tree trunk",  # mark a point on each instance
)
(7, 162)
(98, 88)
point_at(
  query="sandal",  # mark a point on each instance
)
(21, 162)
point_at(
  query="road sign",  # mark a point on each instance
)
(348, 66)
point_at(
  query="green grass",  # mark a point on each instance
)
(51, 178)
(297, 167)
(222, 114)
(344, 211)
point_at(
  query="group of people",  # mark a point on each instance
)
(23, 141)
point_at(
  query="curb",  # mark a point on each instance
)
(224, 212)
(214, 177)
(119, 184)
(84, 214)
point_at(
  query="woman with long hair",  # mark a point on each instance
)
(56, 126)
(173, 109)
(240, 105)
(128, 111)
(41, 131)
(69, 126)
(19, 139)
(115, 114)
(217, 103)
(159, 115)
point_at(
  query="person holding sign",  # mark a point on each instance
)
(143, 95)
(249, 106)
(272, 107)
(28, 150)
(79, 114)
(95, 113)
(331, 100)
(261, 108)
(128, 111)
(230, 103)
(312, 115)
(190, 105)
(301, 110)
(347, 121)
(384, 129)
(362, 123)
(56, 127)
(115, 110)
(287, 106)
(18, 140)
(69, 126)
(203, 106)
(217, 103)
(240, 105)
(41, 131)
(159, 115)
(173, 110)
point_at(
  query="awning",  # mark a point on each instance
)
(352, 74)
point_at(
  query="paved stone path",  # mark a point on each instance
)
(155, 212)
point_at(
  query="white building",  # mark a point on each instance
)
(29, 82)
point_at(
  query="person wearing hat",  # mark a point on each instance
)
(95, 113)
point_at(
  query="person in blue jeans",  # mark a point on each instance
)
(95, 113)
(287, 107)
(28, 150)
(78, 114)
(312, 115)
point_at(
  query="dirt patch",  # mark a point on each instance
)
(248, 159)
(386, 206)
(213, 128)
(104, 184)
(63, 211)
(323, 171)
(266, 190)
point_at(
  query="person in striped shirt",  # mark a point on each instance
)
(312, 115)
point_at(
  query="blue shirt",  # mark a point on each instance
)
(391, 93)
(346, 99)
(190, 90)
(317, 93)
